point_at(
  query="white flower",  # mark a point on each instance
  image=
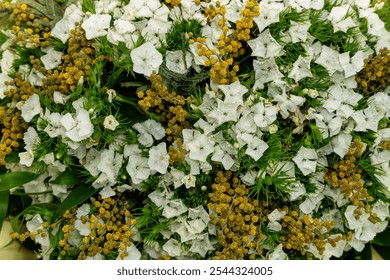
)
(59, 98)
(273, 218)
(174, 208)
(264, 115)
(296, 191)
(83, 210)
(138, 169)
(265, 46)
(298, 31)
(34, 225)
(288, 103)
(110, 123)
(61, 29)
(352, 65)
(189, 181)
(224, 157)
(375, 25)
(272, 128)
(83, 228)
(329, 124)
(341, 143)
(31, 108)
(155, 31)
(336, 251)
(146, 59)
(178, 62)
(3, 88)
(120, 32)
(200, 147)
(380, 101)
(148, 130)
(51, 59)
(271, 16)
(6, 62)
(77, 128)
(301, 69)
(306, 160)
(234, 92)
(367, 119)
(311, 203)
(340, 20)
(266, 70)
(201, 244)
(256, 147)
(224, 112)
(172, 247)
(111, 94)
(328, 59)
(278, 253)
(110, 163)
(198, 219)
(159, 158)
(365, 230)
(30, 139)
(96, 26)
(132, 253)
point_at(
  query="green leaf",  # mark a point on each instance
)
(13, 157)
(383, 238)
(15, 179)
(68, 177)
(383, 251)
(77, 196)
(4, 200)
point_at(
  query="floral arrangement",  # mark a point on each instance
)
(190, 129)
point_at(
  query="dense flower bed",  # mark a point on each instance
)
(189, 129)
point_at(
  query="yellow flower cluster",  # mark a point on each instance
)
(237, 217)
(346, 175)
(375, 75)
(11, 123)
(224, 68)
(171, 107)
(12, 129)
(76, 64)
(173, 3)
(28, 27)
(110, 223)
(385, 144)
(300, 232)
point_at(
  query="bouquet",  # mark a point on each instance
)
(195, 129)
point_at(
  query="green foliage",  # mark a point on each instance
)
(177, 37)
(4, 200)
(275, 151)
(383, 238)
(77, 196)
(15, 179)
(384, 15)
(150, 222)
(50, 9)
(88, 6)
(292, 52)
(45, 210)
(3, 38)
(68, 177)
(193, 197)
(284, 23)
(272, 186)
(183, 84)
